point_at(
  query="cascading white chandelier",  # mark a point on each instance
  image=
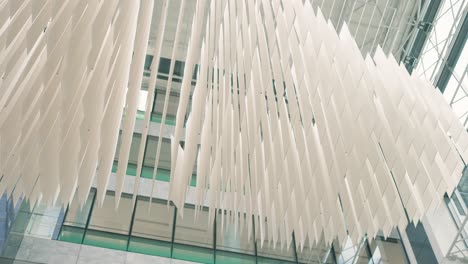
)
(289, 123)
(65, 66)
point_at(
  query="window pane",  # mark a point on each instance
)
(193, 253)
(194, 238)
(23, 216)
(112, 220)
(105, 240)
(194, 232)
(234, 258)
(109, 227)
(150, 151)
(77, 216)
(271, 251)
(150, 247)
(155, 223)
(315, 255)
(228, 239)
(134, 149)
(71, 234)
(43, 221)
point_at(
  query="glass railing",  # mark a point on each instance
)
(161, 231)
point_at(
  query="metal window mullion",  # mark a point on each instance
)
(174, 221)
(61, 224)
(294, 247)
(89, 216)
(130, 229)
(254, 239)
(214, 239)
(451, 60)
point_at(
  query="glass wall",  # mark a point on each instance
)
(38, 220)
(154, 227)
(233, 243)
(193, 238)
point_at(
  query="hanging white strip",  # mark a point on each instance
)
(151, 92)
(319, 126)
(134, 86)
(59, 143)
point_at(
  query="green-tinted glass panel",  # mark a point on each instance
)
(150, 156)
(147, 172)
(233, 258)
(150, 247)
(196, 232)
(105, 240)
(153, 220)
(232, 238)
(164, 65)
(316, 254)
(269, 250)
(192, 253)
(77, 215)
(109, 219)
(114, 166)
(163, 175)
(131, 169)
(21, 221)
(71, 234)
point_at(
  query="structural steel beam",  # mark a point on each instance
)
(457, 47)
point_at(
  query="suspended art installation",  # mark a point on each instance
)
(288, 124)
(65, 66)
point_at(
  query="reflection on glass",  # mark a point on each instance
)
(155, 221)
(109, 227)
(76, 218)
(193, 239)
(233, 245)
(270, 251)
(317, 254)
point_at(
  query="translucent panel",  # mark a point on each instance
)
(77, 216)
(156, 223)
(112, 220)
(198, 233)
